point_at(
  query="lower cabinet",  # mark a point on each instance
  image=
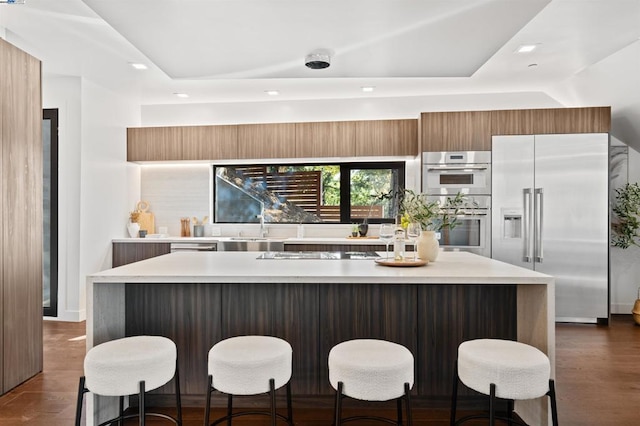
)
(125, 253)
(430, 320)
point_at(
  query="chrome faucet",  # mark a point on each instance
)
(263, 228)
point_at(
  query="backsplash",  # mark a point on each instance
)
(176, 191)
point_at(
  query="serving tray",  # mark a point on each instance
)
(406, 262)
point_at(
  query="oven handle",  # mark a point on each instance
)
(446, 168)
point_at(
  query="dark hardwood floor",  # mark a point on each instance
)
(597, 369)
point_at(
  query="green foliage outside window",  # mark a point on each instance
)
(627, 210)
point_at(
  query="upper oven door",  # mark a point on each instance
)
(447, 173)
(451, 179)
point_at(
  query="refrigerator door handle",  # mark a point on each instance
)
(539, 223)
(526, 208)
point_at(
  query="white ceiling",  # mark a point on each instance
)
(234, 50)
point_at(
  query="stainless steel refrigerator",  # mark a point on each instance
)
(551, 214)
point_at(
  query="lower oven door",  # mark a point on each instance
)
(471, 233)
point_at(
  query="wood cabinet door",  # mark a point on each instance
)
(326, 139)
(386, 137)
(571, 120)
(456, 131)
(209, 142)
(21, 227)
(125, 253)
(512, 122)
(154, 144)
(257, 141)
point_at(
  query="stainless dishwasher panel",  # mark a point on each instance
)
(193, 247)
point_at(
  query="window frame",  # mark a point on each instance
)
(345, 184)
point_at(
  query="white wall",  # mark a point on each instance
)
(614, 81)
(97, 187)
(335, 109)
(63, 93)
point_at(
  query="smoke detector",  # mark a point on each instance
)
(318, 60)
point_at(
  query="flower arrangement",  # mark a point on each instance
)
(432, 216)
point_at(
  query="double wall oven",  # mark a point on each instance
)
(447, 173)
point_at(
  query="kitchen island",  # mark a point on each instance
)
(200, 298)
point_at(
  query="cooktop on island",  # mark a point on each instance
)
(322, 255)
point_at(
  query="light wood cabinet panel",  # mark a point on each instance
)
(571, 120)
(432, 125)
(21, 226)
(386, 137)
(267, 140)
(456, 131)
(512, 122)
(209, 142)
(154, 144)
(326, 139)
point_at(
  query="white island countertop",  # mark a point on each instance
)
(237, 267)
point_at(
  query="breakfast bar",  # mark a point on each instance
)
(200, 298)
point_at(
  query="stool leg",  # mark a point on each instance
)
(208, 403)
(492, 404)
(338, 405)
(407, 392)
(178, 401)
(229, 408)
(454, 394)
(399, 409)
(81, 392)
(554, 407)
(141, 408)
(272, 394)
(289, 407)
(121, 410)
(510, 411)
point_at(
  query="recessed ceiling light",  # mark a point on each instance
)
(527, 48)
(138, 66)
(367, 88)
(181, 95)
(272, 92)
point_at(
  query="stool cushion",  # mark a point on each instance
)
(371, 370)
(519, 371)
(116, 367)
(243, 365)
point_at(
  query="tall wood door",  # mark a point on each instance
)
(21, 201)
(257, 141)
(326, 139)
(154, 144)
(209, 142)
(386, 137)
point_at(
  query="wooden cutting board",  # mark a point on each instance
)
(145, 218)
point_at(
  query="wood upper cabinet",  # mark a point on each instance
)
(386, 137)
(571, 120)
(456, 131)
(210, 142)
(512, 122)
(267, 140)
(326, 139)
(154, 144)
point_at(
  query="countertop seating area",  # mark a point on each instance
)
(607, 396)
(200, 298)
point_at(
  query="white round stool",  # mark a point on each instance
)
(503, 369)
(250, 365)
(371, 370)
(127, 366)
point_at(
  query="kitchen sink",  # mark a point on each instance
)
(322, 255)
(250, 244)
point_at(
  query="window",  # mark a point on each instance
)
(307, 193)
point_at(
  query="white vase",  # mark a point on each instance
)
(428, 246)
(133, 228)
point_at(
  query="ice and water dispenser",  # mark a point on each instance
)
(511, 223)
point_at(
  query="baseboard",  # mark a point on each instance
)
(621, 308)
(69, 316)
